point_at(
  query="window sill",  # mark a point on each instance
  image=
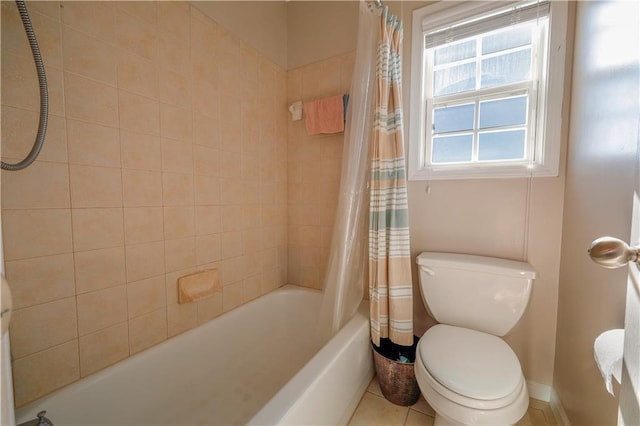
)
(480, 172)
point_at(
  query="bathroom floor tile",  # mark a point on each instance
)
(422, 406)
(536, 405)
(539, 413)
(416, 418)
(375, 410)
(374, 387)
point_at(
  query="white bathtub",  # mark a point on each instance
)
(258, 364)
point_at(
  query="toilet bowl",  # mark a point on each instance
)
(470, 378)
(468, 374)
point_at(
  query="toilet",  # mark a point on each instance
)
(465, 371)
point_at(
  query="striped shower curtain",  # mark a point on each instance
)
(390, 287)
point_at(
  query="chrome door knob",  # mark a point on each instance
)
(611, 252)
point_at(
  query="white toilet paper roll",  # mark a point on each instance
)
(608, 350)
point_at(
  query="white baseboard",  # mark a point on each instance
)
(558, 410)
(539, 391)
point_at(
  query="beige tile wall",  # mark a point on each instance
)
(166, 153)
(314, 165)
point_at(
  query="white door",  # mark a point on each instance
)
(6, 384)
(629, 408)
(626, 16)
(629, 402)
(629, 405)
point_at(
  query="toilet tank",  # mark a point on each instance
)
(481, 293)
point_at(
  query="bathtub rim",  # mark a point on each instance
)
(272, 412)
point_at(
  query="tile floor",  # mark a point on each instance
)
(375, 410)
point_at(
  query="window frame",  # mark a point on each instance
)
(547, 129)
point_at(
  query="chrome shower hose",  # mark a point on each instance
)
(44, 96)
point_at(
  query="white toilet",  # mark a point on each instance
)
(466, 373)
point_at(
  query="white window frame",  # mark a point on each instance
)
(547, 128)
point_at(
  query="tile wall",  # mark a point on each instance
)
(165, 154)
(314, 166)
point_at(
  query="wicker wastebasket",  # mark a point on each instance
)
(397, 378)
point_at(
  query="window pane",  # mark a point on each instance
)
(453, 119)
(505, 69)
(457, 52)
(507, 145)
(456, 79)
(503, 112)
(515, 37)
(451, 149)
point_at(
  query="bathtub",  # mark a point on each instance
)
(259, 364)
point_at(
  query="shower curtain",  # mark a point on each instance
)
(390, 286)
(344, 281)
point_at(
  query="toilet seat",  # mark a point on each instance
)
(459, 408)
(470, 363)
(426, 380)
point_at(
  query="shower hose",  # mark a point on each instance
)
(44, 96)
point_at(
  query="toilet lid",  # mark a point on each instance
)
(471, 363)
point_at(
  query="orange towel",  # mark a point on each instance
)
(324, 115)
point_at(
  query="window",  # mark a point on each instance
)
(486, 89)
